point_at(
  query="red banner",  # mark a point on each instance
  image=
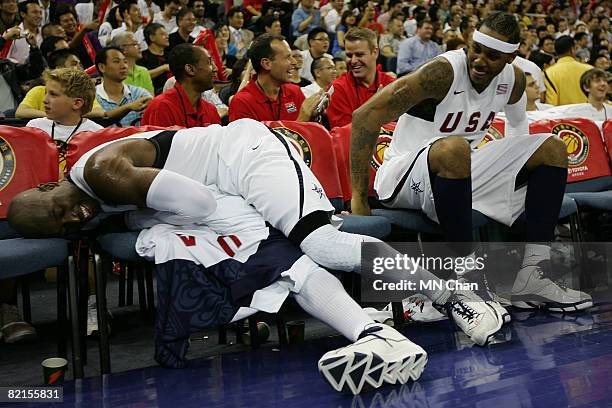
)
(103, 9)
(5, 49)
(206, 38)
(91, 51)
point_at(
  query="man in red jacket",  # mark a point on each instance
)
(183, 105)
(361, 82)
(270, 95)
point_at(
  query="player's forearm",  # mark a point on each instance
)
(364, 133)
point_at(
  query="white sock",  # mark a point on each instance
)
(322, 296)
(341, 251)
(535, 253)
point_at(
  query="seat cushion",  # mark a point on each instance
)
(21, 256)
(415, 220)
(568, 207)
(6, 231)
(601, 200)
(374, 226)
(121, 245)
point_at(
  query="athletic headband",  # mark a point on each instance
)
(494, 43)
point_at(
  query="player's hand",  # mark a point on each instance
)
(360, 206)
(141, 103)
(307, 111)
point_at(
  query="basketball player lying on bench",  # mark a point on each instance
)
(168, 171)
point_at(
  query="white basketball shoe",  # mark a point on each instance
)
(479, 319)
(532, 289)
(381, 355)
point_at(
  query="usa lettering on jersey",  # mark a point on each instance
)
(452, 120)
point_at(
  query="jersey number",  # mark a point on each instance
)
(224, 242)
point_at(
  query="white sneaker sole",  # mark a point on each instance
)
(354, 371)
(501, 311)
(552, 306)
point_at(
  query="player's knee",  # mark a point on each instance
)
(450, 157)
(554, 152)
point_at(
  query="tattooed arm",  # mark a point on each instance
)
(431, 81)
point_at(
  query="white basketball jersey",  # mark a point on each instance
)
(462, 112)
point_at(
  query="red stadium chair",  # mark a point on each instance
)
(28, 157)
(315, 145)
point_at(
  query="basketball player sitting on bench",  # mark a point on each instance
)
(443, 111)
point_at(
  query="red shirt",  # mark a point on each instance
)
(349, 94)
(252, 103)
(172, 108)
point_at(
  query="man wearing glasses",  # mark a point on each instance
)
(318, 45)
(137, 75)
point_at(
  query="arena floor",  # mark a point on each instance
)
(541, 360)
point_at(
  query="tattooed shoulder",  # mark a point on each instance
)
(436, 78)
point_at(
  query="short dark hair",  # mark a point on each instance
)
(261, 47)
(182, 13)
(166, 2)
(232, 11)
(62, 9)
(588, 76)
(543, 39)
(180, 56)
(564, 45)
(424, 21)
(504, 24)
(125, 5)
(269, 19)
(540, 59)
(150, 30)
(48, 45)
(316, 64)
(23, 6)
(57, 58)
(101, 56)
(580, 36)
(312, 33)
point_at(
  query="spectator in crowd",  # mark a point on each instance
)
(227, 51)
(348, 20)
(547, 45)
(361, 82)
(272, 25)
(166, 16)
(602, 62)
(31, 18)
(542, 60)
(51, 44)
(121, 103)
(53, 29)
(9, 16)
(154, 58)
(202, 22)
(132, 22)
(389, 43)
(395, 7)
(183, 105)
(334, 16)
(67, 18)
(595, 85)
(240, 37)
(535, 71)
(467, 29)
(185, 21)
(415, 51)
(296, 74)
(368, 21)
(252, 10)
(236, 80)
(305, 18)
(582, 42)
(148, 9)
(318, 45)
(324, 72)
(455, 44)
(69, 96)
(113, 21)
(563, 78)
(283, 10)
(340, 64)
(33, 105)
(454, 23)
(137, 75)
(270, 95)
(12, 75)
(532, 92)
